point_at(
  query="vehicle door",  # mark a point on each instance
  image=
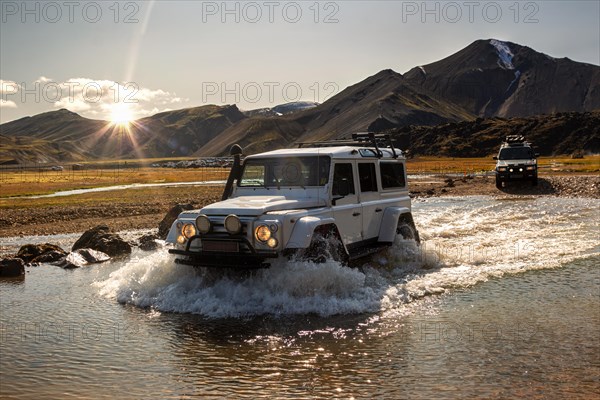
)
(346, 210)
(370, 199)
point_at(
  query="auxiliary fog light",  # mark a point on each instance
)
(203, 224)
(188, 230)
(263, 233)
(233, 225)
(272, 242)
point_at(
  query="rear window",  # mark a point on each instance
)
(392, 175)
(368, 180)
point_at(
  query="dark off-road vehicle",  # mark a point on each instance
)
(516, 161)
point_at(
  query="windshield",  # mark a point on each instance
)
(516, 153)
(285, 171)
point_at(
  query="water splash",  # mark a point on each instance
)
(466, 241)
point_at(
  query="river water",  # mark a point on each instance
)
(502, 300)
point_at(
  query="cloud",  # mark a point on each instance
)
(100, 98)
(8, 87)
(7, 104)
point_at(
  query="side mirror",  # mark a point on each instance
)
(495, 157)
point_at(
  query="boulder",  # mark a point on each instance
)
(11, 267)
(101, 238)
(49, 257)
(148, 242)
(39, 253)
(167, 221)
(81, 258)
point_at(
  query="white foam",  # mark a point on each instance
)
(466, 241)
(285, 288)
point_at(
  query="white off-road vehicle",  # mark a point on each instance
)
(341, 199)
(516, 161)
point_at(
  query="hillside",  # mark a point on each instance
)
(561, 133)
(381, 101)
(488, 78)
(66, 136)
(494, 78)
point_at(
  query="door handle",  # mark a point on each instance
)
(355, 214)
(378, 210)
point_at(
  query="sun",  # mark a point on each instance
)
(121, 114)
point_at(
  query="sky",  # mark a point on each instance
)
(118, 60)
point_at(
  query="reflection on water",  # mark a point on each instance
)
(502, 301)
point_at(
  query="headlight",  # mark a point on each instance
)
(188, 230)
(501, 169)
(233, 225)
(531, 168)
(203, 224)
(263, 233)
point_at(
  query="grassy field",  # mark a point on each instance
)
(547, 165)
(43, 181)
(115, 198)
(27, 183)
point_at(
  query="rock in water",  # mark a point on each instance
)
(101, 238)
(40, 253)
(49, 257)
(165, 224)
(148, 242)
(72, 260)
(81, 258)
(11, 267)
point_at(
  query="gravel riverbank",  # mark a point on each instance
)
(134, 211)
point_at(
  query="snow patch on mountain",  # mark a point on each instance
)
(517, 76)
(505, 55)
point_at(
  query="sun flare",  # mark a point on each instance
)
(121, 114)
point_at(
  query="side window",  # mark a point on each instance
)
(342, 172)
(392, 175)
(368, 179)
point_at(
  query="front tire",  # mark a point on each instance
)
(324, 246)
(498, 183)
(407, 230)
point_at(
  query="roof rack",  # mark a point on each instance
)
(362, 139)
(515, 139)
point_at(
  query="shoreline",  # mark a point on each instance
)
(137, 210)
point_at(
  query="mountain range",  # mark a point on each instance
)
(489, 80)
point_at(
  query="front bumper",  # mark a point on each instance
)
(516, 175)
(246, 257)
